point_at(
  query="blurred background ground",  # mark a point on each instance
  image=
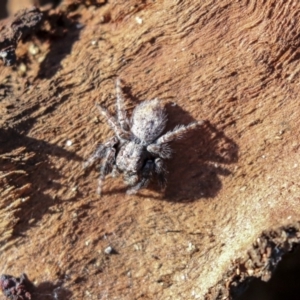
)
(10, 7)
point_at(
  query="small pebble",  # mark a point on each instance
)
(139, 20)
(33, 49)
(79, 25)
(69, 143)
(108, 250)
(22, 69)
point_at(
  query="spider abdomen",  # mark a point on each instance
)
(148, 121)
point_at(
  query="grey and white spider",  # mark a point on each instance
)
(138, 148)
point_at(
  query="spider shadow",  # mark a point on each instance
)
(48, 291)
(199, 160)
(27, 168)
(37, 173)
(44, 291)
(127, 92)
(62, 35)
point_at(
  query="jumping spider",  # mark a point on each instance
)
(138, 149)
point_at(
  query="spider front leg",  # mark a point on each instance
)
(177, 133)
(122, 118)
(147, 173)
(122, 134)
(107, 151)
(161, 150)
(161, 147)
(106, 167)
(115, 172)
(100, 152)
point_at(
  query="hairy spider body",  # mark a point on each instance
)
(131, 157)
(138, 149)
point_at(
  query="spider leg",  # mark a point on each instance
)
(147, 173)
(161, 147)
(161, 171)
(100, 152)
(122, 134)
(161, 150)
(122, 118)
(115, 172)
(106, 167)
(177, 133)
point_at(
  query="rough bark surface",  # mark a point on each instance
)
(23, 23)
(232, 63)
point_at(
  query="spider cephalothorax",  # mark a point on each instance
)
(138, 148)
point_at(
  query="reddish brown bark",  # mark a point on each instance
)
(234, 64)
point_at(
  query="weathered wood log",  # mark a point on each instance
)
(23, 23)
(233, 195)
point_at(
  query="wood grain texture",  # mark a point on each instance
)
(234, 64)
